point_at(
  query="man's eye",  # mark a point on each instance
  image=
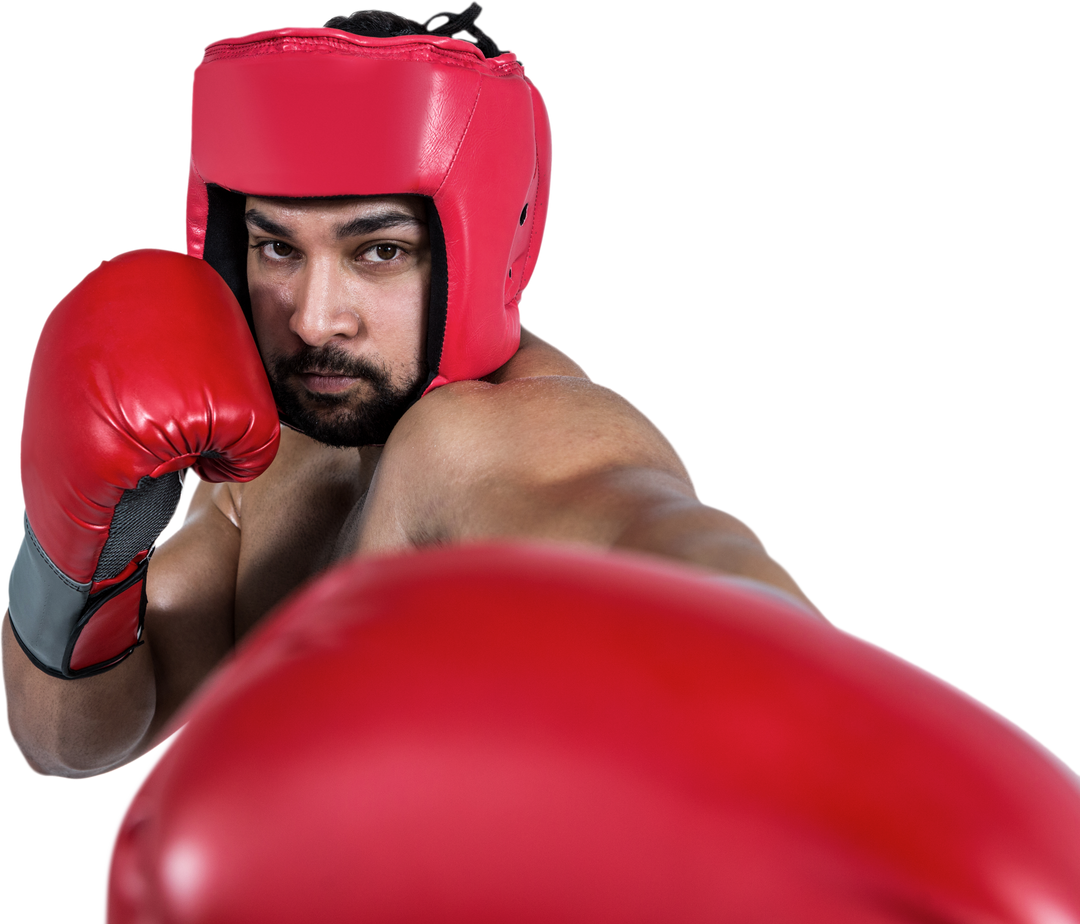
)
(273, 250)
(384, 252)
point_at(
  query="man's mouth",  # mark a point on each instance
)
(326, 383)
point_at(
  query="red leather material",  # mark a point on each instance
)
(112, 630)
(129, 381)
(495, 734)
(318, 112)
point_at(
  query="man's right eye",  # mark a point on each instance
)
(272, 249)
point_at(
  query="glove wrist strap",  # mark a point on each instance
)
(51, 615)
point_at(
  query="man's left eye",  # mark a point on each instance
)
(383, 252)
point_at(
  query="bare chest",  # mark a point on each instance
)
(309, 511)
(295, 521)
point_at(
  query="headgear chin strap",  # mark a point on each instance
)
(320, 112)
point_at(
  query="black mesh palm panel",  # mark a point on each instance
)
(137, 521)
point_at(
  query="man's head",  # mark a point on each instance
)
(339, 295)
(300, 117)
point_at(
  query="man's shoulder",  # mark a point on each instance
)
(527, 402)
(539, 387)
(551, 427)
(534, 393)
(539, 456)
(531, 452)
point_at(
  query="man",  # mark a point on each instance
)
(379, 251)
(351, 513)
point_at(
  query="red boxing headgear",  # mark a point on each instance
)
(320, 112)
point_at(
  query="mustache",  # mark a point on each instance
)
(328, 360)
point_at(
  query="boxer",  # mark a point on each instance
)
(370, 197)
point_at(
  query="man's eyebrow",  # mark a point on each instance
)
(266, 224)
(358, 227)
(378, 221)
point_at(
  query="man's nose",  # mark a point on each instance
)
(322, 307)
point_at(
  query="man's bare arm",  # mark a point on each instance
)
(550, 458)
(82, 727)
(660, 515)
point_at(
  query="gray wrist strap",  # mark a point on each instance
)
(45, 604)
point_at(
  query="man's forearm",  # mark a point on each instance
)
(77, 728)
(688, 531)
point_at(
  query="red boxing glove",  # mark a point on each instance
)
(486, 734)
(145, 369)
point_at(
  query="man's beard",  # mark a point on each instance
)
(335, 419)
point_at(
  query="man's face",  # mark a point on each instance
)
(339, 295)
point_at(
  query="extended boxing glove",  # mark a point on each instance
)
(145, 369)
(538, 734)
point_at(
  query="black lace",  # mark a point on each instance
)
(380, 24)
(465, 22)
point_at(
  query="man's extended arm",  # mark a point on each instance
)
(550, 458)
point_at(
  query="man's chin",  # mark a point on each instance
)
(345, 420)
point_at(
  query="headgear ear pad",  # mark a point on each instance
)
(319, 113)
